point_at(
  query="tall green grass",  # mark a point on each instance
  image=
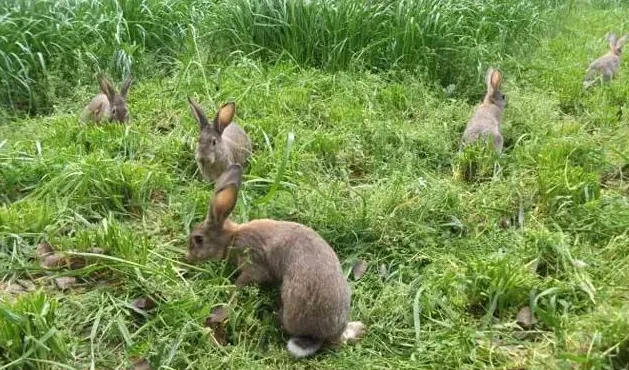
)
(49, 47)
(449, 40)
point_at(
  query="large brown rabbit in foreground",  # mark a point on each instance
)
(221, 143)
(606, 67)
(315, 294)
(488, 115)
(109, 105)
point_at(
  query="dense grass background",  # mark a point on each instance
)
(364, 155)
(49, 47)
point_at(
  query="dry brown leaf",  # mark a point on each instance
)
(28, 285)
(218, 334)
(140, 364)
(525, 318)
(75, 262)
(53, 261)
(44, 249)
(218, 315)
(13, 288)
(216, 322)
(65, 282)
(144, 303)
(359, 269)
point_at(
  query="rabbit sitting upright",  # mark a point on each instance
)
(314, 292)
(109, 105)
(221, 143)
(488, 115)
(606, 67)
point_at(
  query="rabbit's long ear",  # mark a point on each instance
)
(611, 37)
(106, 87)
(198, 113)
(495, 80)
(488, 81)
(224, 117)
(124, 89)
(225, 195)
(621, 42)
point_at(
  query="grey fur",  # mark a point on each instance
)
(315, 294)
(108, 105)
(485, 123)
(606, 67)
(220, 144)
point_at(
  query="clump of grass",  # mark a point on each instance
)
(477, 162)
(447, 40)
(29, 337)
(95, 186)
(50, 47)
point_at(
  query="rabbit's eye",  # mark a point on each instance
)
(197, 241)
(213, 141)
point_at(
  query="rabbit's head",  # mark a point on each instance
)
(615, 45)
(210, 136)
(211, 239)
(117, 101)
(494, 95)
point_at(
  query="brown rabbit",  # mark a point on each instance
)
(220, 144)
(488, 116)
(606, 66)
(108, 105)
(314, 292)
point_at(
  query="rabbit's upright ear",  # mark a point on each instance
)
(611, 38)
(198, 113)
(224, 117)
(124, 89)
(621, 42)
(106, 87)
(225, 195)
(488, 80)
(496, 79)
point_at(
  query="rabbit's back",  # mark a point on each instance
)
(315, 294)
(486, 121)
(238, 143)
(606, 65)
(98, 108)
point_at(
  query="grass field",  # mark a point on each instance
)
(362, 147)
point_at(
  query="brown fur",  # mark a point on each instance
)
(607, 66)
(315, 294)
(221, 143)
(109, 105)
(485, 122)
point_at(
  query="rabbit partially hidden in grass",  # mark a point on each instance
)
(109, 105)
(485, 124)
(314, 292)
(606, 67)
(221, 143)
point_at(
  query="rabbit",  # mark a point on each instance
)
(314, 292)
(488, 116)
(108, 105)
(606, 66)
(220, 144)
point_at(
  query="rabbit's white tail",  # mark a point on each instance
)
(301, 347)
